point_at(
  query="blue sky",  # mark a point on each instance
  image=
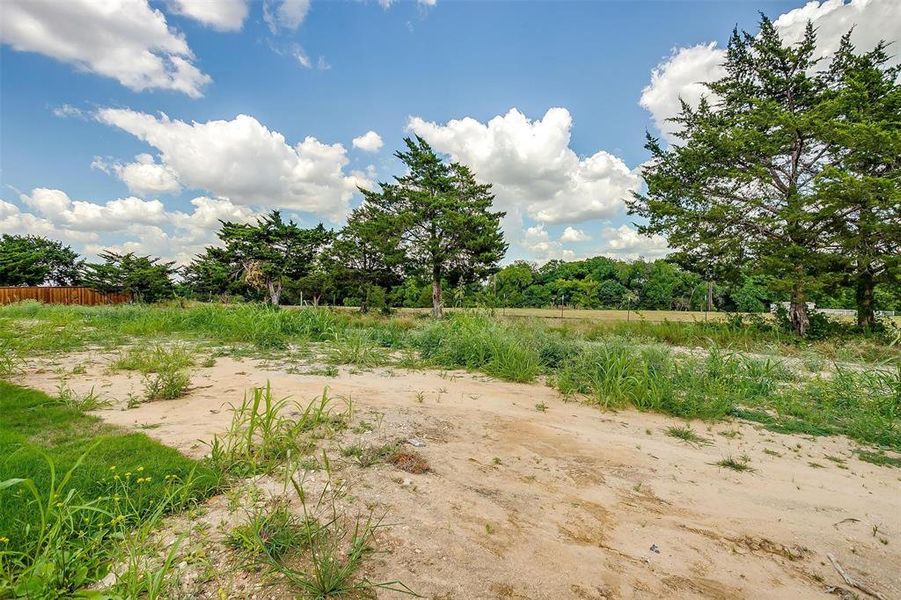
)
(77, 121)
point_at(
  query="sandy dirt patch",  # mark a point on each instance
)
(565, 502)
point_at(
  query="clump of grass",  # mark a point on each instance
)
(740, 464)
(262, 433)
(688, 435)
(272, 532)
(167, 384)
(356, 348)
(155, 359)
(409, 461)
(473, 342)
(864, 405)
(10, 361)
(328, 548)
(80, 402)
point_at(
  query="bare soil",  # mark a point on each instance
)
(564, 502)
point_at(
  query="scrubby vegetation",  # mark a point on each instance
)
(750, 369)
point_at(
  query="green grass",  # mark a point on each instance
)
(614, 365)
(864, 405)
(357, 348)
(879, 458)
(91, 484)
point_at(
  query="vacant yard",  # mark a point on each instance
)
(465, 458)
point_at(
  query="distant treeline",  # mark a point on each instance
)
(594, 283)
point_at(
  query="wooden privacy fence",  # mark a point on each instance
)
(60, 295)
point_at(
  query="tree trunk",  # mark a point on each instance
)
(436, 293)
(797, 311)
(710, 296)
(316, 300)
(866, 315)
(275, 292)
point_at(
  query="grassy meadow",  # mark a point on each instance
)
(72, 485)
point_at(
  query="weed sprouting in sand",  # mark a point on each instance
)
(66, 396)
(263, 433)
(272, 530)
(10, 361)
(688, 435)
(367, 455)
(334, 546)
(740, 464)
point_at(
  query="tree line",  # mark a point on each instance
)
(783, 186)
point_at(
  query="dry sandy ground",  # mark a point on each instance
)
(570, 502)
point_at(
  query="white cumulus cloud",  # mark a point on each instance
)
(538, 242)
(126, 40)
(248, 163)
(79, 215)
(684, 72)
(532, 166)
(144, 176)
(626, 243)
(681, 76)
(222, 15)
(368, 142)
(123, 224)
(571, 234)
(15, 221)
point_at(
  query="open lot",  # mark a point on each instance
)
(472, 458)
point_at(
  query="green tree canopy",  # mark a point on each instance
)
(34, 260)
(147, 279)
(272, 251)
(211, 275)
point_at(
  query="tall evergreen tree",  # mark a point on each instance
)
(740, 183)
(861, 192)
(440, 220)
